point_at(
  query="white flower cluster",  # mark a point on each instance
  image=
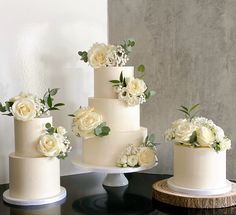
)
(135, 156)
(199, 131)
(26, 106)
(102, 55)
(54, 144)
(133, 93)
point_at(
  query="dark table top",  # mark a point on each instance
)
(86, 195)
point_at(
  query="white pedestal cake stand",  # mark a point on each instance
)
(115, 175)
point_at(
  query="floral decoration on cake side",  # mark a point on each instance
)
(87, 123)
(104, 55)
(197, 132)
(54, 143)
(140, 155)
(27, 106)
(132, 91)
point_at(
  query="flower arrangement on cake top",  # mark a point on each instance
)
(132, 91)
(27, 106)
(197, 132)
(139, 155)
(87, 123)
(54, 143)
(102, 55)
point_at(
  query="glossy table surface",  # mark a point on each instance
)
(86, 195)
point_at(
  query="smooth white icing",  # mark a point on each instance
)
(34, 178)
(102, 76)
(199, 168)
(117, 114)
(27, 134)
(105, 151)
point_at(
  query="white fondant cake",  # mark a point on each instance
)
(34, 178)
(199, 171)
(123, 120)
(27, 134)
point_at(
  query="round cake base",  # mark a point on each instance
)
(33, 202)
(162, 193)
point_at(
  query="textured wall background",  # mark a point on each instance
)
(39, 41)
(189, 49)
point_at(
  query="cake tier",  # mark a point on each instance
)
(105, 151)
(117, 114)
(199, 168)
(102, 76)
(34, 178)
(27, 134)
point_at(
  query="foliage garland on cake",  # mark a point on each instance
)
(102, 55)
(54, 143)
(27, 106)
(140, 155)
(87, 123)
(132, 91)
(197, 132)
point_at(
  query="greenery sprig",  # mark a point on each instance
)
(189, 112)
(150, 141)
(102, 130)
(128, 45)
(6, 108)
(83, 56)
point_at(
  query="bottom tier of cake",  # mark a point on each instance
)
(105, 151)
(199, 170)
(34, 178)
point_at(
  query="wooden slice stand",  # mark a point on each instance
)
(162, 193)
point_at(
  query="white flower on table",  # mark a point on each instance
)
(24, 109)
(205, 136)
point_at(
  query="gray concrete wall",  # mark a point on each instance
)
(189, 49)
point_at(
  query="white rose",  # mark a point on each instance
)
(132, 160)
(61, 130)
(85, 121)
(219, 134)
(24, 109)
(177, 122)
(205, 137)
(183, 132)
(97, 55)
(136, 86)
(50, 145)
(225, 144)
(147, 157)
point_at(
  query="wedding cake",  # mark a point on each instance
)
(110, 125)
(34, 167)
(199, 156)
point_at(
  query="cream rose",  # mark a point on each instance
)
(178, 122)
(85, 121)
(147, 156)
(132, 160)
(184, 131)
(50, 145)
(205, 137)
(24, 109)
(97, 55)
(136, 86)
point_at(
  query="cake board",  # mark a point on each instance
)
(162, 193)
(34, 202)
(115, 175)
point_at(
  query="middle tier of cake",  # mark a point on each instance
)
(105, 151)
(117, 115)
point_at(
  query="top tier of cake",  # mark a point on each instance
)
(102, 77)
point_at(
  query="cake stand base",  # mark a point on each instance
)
(162, 193)
(33, 202)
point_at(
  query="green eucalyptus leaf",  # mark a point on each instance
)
(8, 105)
(194, 107)
(141, 68)
(72, 115)
(48, 125)
(53, 108)
(8, 114)
(193, 137)
(59, 104)
(53, 92)
(98, 131)
(115, 81)
(49, 101)
(184, 108)
(121, 77)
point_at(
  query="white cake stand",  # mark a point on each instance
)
(115, 175)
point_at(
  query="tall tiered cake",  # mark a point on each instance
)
(110, 125)
(34, 167)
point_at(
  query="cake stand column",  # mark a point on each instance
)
(115, 180)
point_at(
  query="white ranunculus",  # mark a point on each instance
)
(97, 55)
(184, 131)
(50, 145)
(146, 156)
(61, 130)
(219, 134)
(85, 121)
(225, 144)
(24, 109)
(177, 122)
(135, 86)
(132, 160)
(205, 136)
